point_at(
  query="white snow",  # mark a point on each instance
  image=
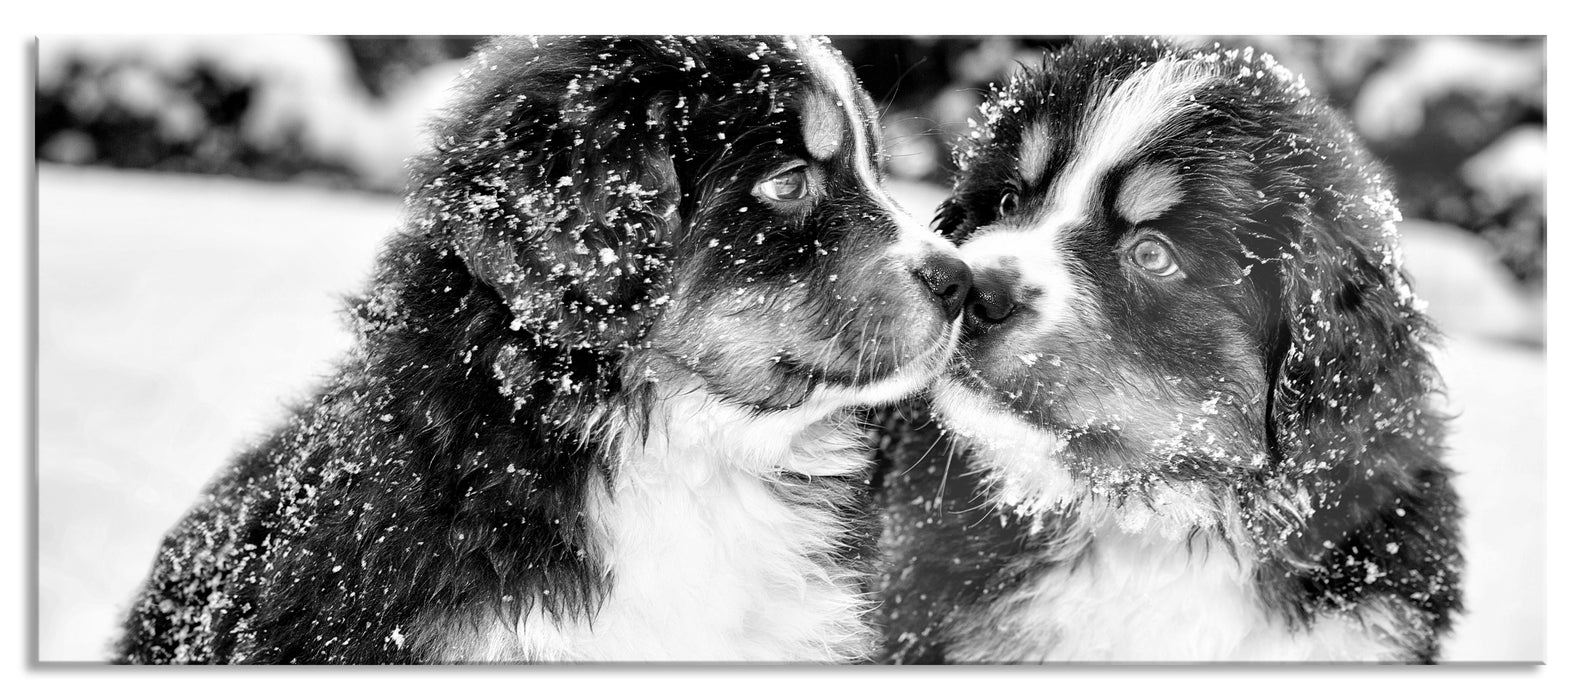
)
(180, 315)
(1466, 292)
(1497, 393)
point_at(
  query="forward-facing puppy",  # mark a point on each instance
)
(601, 405)
(1193, 398)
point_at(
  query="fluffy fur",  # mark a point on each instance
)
(1224, 451)
(602, 402)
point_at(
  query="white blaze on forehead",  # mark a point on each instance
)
(1147, 192)
(1037, 148)
(822, 125)
(1120, 123)
(1144, 109)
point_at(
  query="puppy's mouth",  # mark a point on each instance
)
(970, 392)
(961, 378)
(960, 370)
(963, 366)
(969, 407)
(911, 376)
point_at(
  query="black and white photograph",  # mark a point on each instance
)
(874, 349)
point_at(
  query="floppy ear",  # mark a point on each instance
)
(1353, 436)
(558, 189)
(1353, 433)
(1353, 373)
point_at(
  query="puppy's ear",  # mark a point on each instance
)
(1351, 369)
(559, 191)
(1351, 426)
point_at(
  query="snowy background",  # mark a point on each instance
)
(203, 202)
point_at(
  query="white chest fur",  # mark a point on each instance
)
(1142, 594)
(708, 558)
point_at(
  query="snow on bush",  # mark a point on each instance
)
(292, 92)
(1512, 168)
(1394, 102)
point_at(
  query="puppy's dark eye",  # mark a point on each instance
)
(1008, 203)
(787, 186)
(1154, 257)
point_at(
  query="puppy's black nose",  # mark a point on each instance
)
(948, 279)
(992, 300)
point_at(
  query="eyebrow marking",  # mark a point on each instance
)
(1037, 148)
(1142, 110)
(1148, 191)
(822, 131)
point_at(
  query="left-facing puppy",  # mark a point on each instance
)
(601, 406)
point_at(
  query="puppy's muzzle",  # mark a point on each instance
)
(947, 280)
(991, 302)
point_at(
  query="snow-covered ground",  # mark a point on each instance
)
(179, 316)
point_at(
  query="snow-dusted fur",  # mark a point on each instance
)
(1130, 583)
(603, 402)
(1191, 416)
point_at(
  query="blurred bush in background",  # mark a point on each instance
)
(341, 110)
(1460, 120)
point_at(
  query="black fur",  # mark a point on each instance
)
(1282, 234)
(578, 237)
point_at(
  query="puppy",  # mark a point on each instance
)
(1192, 403)
(602, 405)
